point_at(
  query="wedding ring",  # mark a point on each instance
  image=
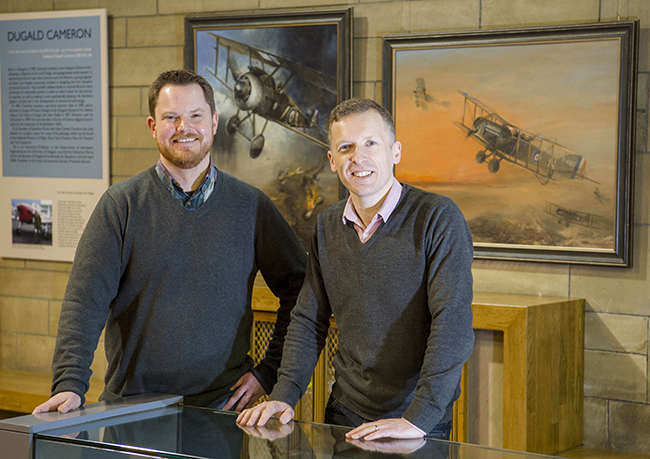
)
(376, 427)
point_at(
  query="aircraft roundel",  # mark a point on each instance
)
(536, 157)
(291, 116)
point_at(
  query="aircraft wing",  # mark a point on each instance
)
(303, 72)
(487, 112)
(551, 156)
(214, 74)
(540, 170)
(307, 136)
(310, 75)
(304, 122)
(244, 49)
(494, 116)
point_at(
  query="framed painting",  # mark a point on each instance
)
(276, 76)
(529, 130)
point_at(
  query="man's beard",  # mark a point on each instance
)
(185, 159)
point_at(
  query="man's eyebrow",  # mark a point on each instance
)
(173, 112)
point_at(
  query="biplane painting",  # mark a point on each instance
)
(528, 145)
(501, 141)
(274, 89)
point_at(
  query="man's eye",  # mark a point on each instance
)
(371, 142)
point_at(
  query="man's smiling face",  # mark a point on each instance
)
(183, 128)
(363, 153)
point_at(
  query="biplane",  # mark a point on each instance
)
(258, 89)
(26, 214)
(502, 141)
(568, 216)
(599, 197)
(420, 96)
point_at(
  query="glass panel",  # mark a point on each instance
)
(59, 450)
(189, 432)
(186, 432)
(485, 390)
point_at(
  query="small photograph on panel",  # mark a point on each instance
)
(31, 221)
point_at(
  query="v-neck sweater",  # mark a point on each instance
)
(402, 302)
(174, 288)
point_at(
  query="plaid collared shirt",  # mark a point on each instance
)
(194, 199)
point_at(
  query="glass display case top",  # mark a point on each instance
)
(179, 431)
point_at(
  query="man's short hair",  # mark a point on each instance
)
(179, 78)
(354, 106)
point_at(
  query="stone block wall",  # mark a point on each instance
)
(146, 37)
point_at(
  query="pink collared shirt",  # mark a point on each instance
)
(386, 208)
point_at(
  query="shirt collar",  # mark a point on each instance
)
(385, 210)
(192, 199)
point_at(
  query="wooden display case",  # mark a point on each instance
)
(543, 370)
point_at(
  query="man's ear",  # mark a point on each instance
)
(397, 152)
(215, 123)
(152, 126)
(332, 165)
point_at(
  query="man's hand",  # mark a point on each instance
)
(385, 428)
(247, 390)
(263, 412)
(61, 402)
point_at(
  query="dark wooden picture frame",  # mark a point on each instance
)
(276, 75)
(552, 112)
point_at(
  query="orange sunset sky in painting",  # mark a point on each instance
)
(565, 92)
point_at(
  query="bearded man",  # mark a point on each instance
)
(166, 265)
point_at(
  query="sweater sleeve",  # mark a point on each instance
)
(307, 333)
(92, 285)
(451, 338)
(281, 259)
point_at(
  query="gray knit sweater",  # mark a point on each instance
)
(174, 290)
(403, 306)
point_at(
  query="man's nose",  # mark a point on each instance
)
(180, 124)
(358, 154)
